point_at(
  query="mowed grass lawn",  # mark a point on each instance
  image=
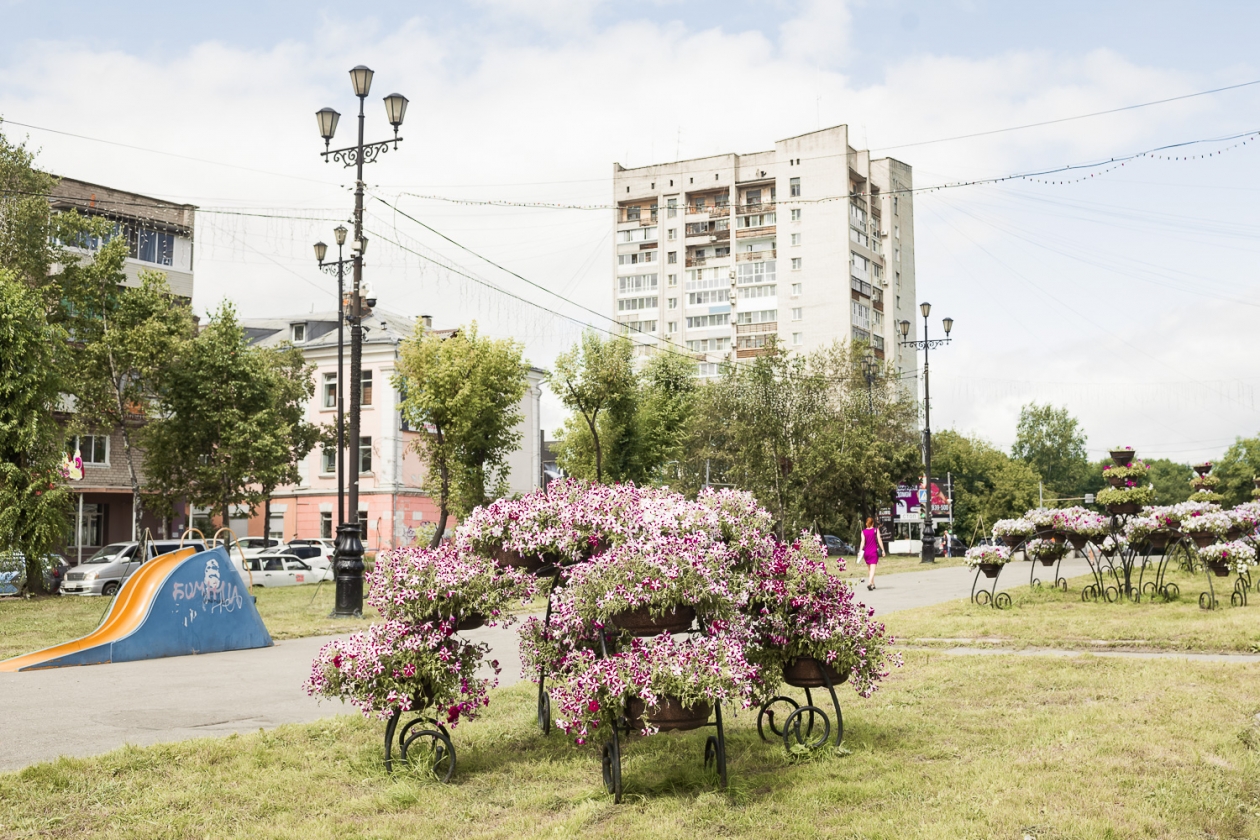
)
(1046, 617)
(28, 624)
(992, 747)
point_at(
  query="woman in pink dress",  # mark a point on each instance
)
(871, 547)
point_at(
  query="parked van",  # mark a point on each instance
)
(108, 569)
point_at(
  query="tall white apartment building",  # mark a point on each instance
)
(811, 242)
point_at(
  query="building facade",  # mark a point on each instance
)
(159, 236)
(392, 502)
(811, 242)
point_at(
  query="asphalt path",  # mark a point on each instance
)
(89, 710)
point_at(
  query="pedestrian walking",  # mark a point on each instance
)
(947, 546)
(871, 548)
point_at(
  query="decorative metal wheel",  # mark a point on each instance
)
(1090, 593)
(983, 598)
(1002, 601)
(766, 716)
(1112, 594)
(1171, 592)
(429, 751)
(1207, 601)
(612, 767)
(799, 725)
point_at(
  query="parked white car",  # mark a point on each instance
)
(253, 546)
(281, 570)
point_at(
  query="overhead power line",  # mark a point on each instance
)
(1068, 119)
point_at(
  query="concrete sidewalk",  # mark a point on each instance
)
(93, 709)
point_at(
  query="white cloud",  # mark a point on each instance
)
(821, 33)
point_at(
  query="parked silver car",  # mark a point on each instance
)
(108, 569)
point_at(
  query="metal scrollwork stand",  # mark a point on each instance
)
(428, 748)
(799, 723)
(989, 596)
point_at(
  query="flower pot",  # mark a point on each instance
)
(639, 622)
(670, 715)
(1012, 540)
(990, 569)
(508, 557)
(1122, 457)
(1172, 523)
(1202, 469)
(1233, 533)
(807, 672)
(1203, 539)
(1125, 508)
(1115, 481)
(1159, 539)
(1078, 541)
(1047, 561)
(1220, 568)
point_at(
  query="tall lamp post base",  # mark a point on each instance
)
(348, 567)
(928, 554)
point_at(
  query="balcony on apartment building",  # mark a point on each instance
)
(643, 214)
(699, 233)
(706, 256)
(715, 204)
(755, 256)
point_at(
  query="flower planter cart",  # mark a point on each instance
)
(798, 725)
(423, 744)
(988, 595)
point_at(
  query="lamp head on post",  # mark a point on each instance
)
(925, 308)
(948, 323)
(340, 232)
(395, 110)
(361, 78)
(904, 326)
(321, 251)
(327, 118)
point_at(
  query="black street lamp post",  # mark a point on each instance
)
(870, 372)
(929, 535)
(338, 268)
(348, 561)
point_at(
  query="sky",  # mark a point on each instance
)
(1126, 293)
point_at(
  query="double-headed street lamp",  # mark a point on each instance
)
(338, 268)
(348, 561)
(929, 545)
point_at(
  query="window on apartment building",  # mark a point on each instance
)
(796, 263)
(93, 449)
(673, 233)
(897, 231)
(898, 301)
(796, 239)
(897, 254)
(328, 460)
(330, 390)
(673, 256)
(798, 339)
(297, 333)
(325, 525)
(898, 281)
(796, 214)
(672, 326)
(365, 388)
(796, 290)
(894, 205)
(796, 314)
(673, 279)
(794, 187)
(673, 303)
(671, 206)
(632, 213)
(365, 454)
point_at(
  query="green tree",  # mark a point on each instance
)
(463, 394)
(1170, 479)
(27, 247)
(1050, 440)
(132, 336)
(34, 501)
(596, 380)
(804, 435)
(988, 484)
(229, 424)
(1236, 469)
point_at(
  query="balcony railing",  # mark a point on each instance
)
(755, 256)
(858, 201)
(754, 329)
(751, 352)
(764, 207)
(714, 211)
(860, 286)
(641, 217)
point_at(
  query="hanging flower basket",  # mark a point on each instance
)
(1159, 539)
(807, 672)
(1203, 469)
(1122, 457)
(640, 622)
(513, 559)
(1078, 541)
(1219, 568)
(1203, 538)
(1012, 540)
(991, 570)
(669, 715)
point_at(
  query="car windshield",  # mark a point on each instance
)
(107, 554)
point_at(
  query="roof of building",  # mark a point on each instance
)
(95, 199)
(381, 327)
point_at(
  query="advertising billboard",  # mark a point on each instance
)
(910, 500)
